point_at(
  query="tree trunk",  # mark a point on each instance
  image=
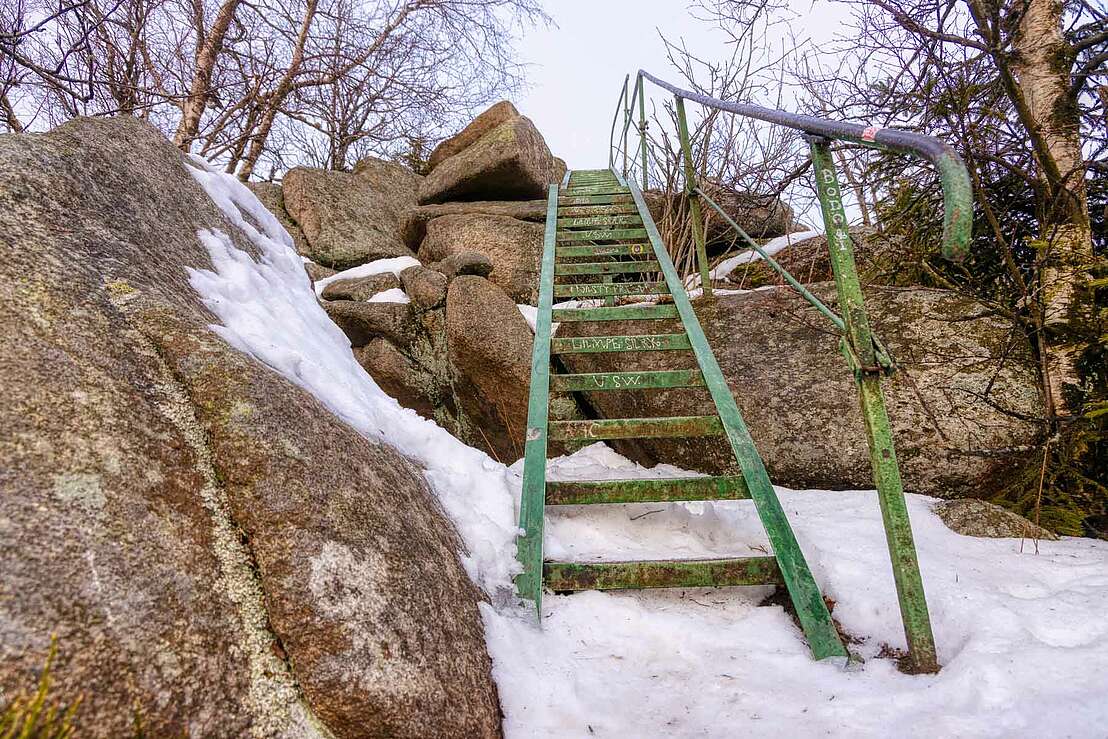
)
(272, 102)
(1042, 67)
(208, 49)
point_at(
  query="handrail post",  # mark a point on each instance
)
(642, 132)
(863, 354)
(615, 117)
(627, 102)
(692, 198)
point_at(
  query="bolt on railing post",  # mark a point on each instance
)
(692, 198)
(861, 351)
(642, 132)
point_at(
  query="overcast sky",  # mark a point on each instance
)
(578, 65)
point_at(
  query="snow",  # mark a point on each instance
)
(392, 295)
(771, 247)
(396, 265)
(1022, 636)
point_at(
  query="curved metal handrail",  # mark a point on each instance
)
(957, 193)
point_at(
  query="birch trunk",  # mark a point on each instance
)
(208, 49)
(1042, 67)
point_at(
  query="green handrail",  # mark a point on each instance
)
(864, 354)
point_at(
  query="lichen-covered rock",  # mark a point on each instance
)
(478, 127)
(350, 219)
(489, 346)
(362, 321)
(415, 221)
(317, 272)
(425, 287)
(360, 288)
(272, 197)
(799, 400)
(465, 263)
(971, 517)
(172, 509)
(508, 162)
(514, 247)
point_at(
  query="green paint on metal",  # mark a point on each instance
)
(804, 292)
(594, 199)
(606, 234)
(637, 343)
(599, 210)
(862, 352)
(626, 380)
(597, 290)
(602, 250)
(695, 218)
(605, 268)
(532, 502)
(619, 313)
(622, 220)
(811, 610)
(587, 190)
(665, 427)
(714, 573)
(663, 490)
(642, 131)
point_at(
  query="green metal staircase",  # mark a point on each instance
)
(601, 243)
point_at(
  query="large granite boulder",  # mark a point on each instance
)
(489, 345)
(350, 219)
(966, 379)
(509, 162)
(514, 247)
(415, 221)
(972, 517)
(172, 509)
(273, 198)
(478, 127)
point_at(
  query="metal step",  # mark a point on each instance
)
(686, 573)
(603, 289)
(596, 190)
(606, 234)
(671, 427)
(605, 268)
(594, 199)
(616, 313)
(663, 490)
(602, 250)
(586, 211)
(613, 220)
(638, 343)
(645, 380)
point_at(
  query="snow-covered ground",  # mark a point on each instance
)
(1022, 636)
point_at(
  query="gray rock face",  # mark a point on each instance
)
(508, 162)
(799, 400)
(514, 247)
(877, 257)
(415, 221)
(351, 219)
(360, 288)
(272, 197)
(478, 127)
(317, 272)
(972, 517)
(171, 507)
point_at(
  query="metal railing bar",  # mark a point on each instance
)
(816, 302)
(957, 216)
